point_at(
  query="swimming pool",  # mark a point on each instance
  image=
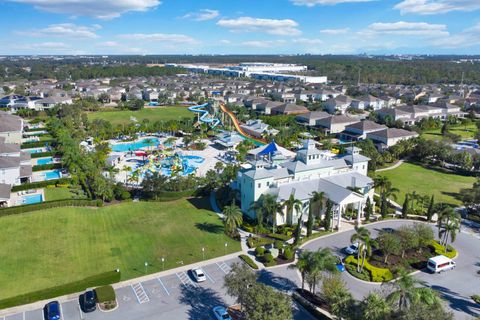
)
(133, 146)
(35, 150)
(180, 165)
(54, 174)
(31, 199)
(43, 161)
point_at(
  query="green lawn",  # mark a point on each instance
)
(58, 194)
(466, 132)
(50, 247)
(410, 177)
(152, 114)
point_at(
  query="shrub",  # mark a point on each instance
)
(440, 250)
(36, 144)
(278, 244)
(376, 274)
(254, 242)
(248, 227)
(288, 253)
(259, 251)
(476, 298)
(248, 261)
(267, 258)
(49, 166)
(43, 154)
(364, 275)
(77, 286)
(40, 184)
(105, 294)
(277, 236)
(50, 204)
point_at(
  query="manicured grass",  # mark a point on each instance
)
(410, 177)
(152, 114)
(51, 247)
(58, 194)
(466, 132)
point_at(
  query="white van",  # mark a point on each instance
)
(440, 263)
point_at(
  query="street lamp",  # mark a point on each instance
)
(203, 253)
(226, 245)
(163, 263)
(146, 266)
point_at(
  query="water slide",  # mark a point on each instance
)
(225, 109)
(205, 117)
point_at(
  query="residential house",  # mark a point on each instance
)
(311, 119)
(11, 128)
(288, 109)
(338, 104)
(336, 123)
(360, 130)
(257, 128)
(390, 136)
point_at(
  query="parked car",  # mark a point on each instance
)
(352, 249)
(388, 230)
(51, 311)
(88, 301)
(221, 313)
(440, 263)
(340, 265)
(198, 275)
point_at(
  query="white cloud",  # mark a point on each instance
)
(425, 7)
(307, 41)
(467, 38)
(402, 28)
(165, 37)
(335, 31)
(312, 3)
(202, 15)
(63, 30)
(102, 9)
(270, 26)
(109, 44)
(263, 43)
(225, 41)
(42, 46)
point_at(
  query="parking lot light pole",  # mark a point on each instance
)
(203, 252)
(163, 264)
(146, 266)
(226, 245)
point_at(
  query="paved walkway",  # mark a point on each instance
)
(396, 165)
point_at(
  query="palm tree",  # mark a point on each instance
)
(233, 218)
(375, 307)
(362, 236)
(405, 290)
(448, 225)
(271, 208)
(258, 208)
(316, 200)
(292, 204)
(387, 193)
(303, 264)
(127, 169)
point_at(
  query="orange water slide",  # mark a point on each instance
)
(225, 109)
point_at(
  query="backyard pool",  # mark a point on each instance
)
(35, 150)
(43, 161)
(54, 174)
(136, 145)
(31, 199)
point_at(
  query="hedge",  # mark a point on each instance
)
(34, 129)
(310, 307)
(68, 288)
(43, 154)
(278, 236)
(376, 274)
(40, 184)
(48, 166)
(50, 204)
(288, 253)
(253, 242)
(248, 261)
(36, 144)
(105, 294)
(440, 250)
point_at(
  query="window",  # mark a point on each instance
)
(268, 183)
(259, 185)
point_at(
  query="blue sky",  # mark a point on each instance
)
(239, 27)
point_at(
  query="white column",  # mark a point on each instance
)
(359, 213)
(339, 217)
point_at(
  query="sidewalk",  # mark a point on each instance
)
(126, 283)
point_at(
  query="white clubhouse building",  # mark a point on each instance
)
(343, 179)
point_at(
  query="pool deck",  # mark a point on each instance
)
(16, 197)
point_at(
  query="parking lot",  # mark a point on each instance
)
(175, 296)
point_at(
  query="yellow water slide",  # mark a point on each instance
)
(225, 109)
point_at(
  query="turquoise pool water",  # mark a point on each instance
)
(54, 174)
(183, 165)
(35, 150)
(43, 161)
(137, 145)
(31, 199)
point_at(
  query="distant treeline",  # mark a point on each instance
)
(339, 69)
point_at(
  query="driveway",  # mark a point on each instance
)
(455, 286)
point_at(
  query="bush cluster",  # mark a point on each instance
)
(50, 204)
(36, 144)
(288, 253)
(48, 166)
(276, 236)
(43, 154)
(259, 251)
(40, 184)
(278, 244)
(376, 274)
(440, 250)
(72, 287)
(253, 242)
(105, 294)
(248, 261)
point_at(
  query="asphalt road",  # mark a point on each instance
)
(455, 286)
(175, 296)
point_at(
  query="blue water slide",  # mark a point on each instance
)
(205, 117)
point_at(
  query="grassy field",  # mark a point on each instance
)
(152, 114)
(410, 177)
(58, 194)
(50, 247)
(466, 132)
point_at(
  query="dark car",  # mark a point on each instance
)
(388, 230)
(88, 301)
(51, 311)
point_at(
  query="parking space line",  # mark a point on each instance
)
(208, 276)
(140, 293)
(80, 311)
(23, 315)
(185, 279)
(164, 288)
(224, 267)
(61, 312)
